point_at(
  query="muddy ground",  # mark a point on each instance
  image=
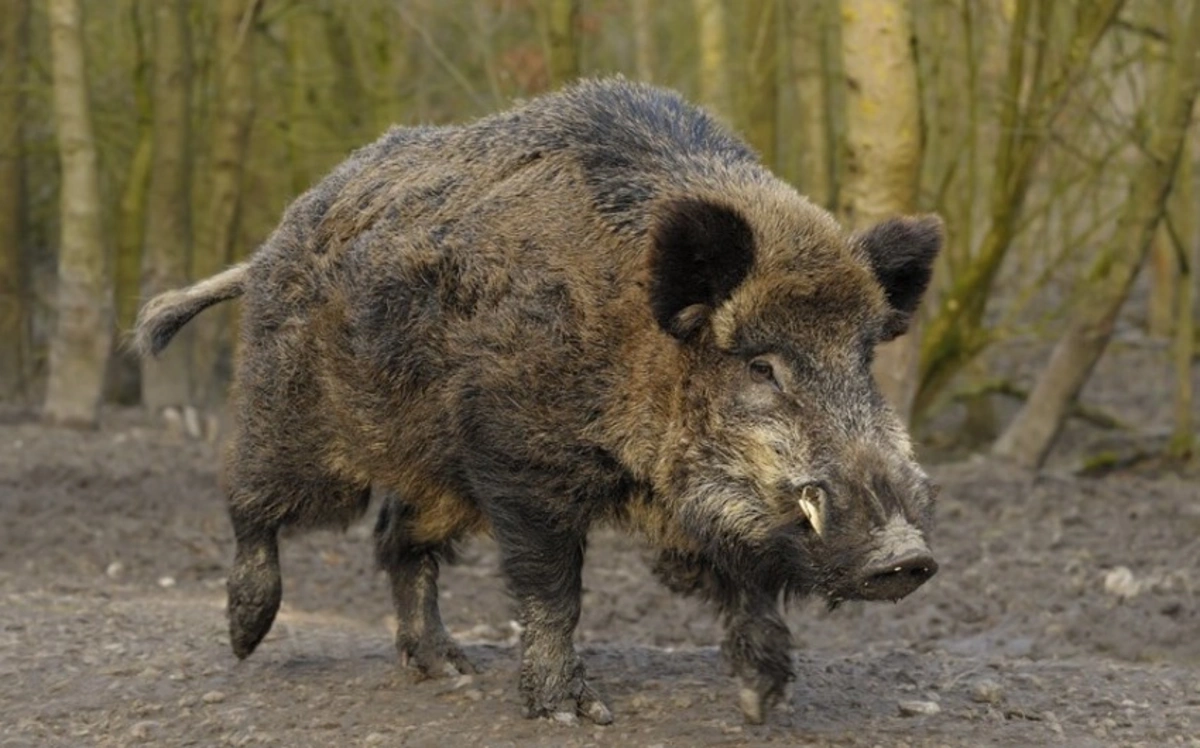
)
(1067, 611)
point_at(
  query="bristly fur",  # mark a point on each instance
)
(550, 318)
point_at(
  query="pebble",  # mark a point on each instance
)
(375, 738)
(566, 718)
(918, 708)
(987, 692)
(142, 731)
(473, 694)
(166, 581)
(1121, 583)
(213, 697)
(463, 681)
(114, 570)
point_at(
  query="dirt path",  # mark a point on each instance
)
(1067, 611)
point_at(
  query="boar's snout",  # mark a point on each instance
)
(897, 576)
(899, 563)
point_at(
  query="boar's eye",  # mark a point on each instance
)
(762, 372)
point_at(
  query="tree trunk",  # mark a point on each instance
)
(1029, 437)
(1164, 280)
(1183, 431)
(562, 41)
(642, 17)
(883, 149)
(124, 374)
(233, 115)
(82, 338)
(166, 379)
(308, 137)
(809, 49)
(713, 70)
(762, 28)
(14, 295)
(1187, 254)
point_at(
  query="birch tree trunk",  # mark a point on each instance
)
(883, 150)
(166, 380)
(14, 296)
(82, 338)
(233, 115)
(1030, 436)
(712, 22)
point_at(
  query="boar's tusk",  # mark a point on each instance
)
(812, 503)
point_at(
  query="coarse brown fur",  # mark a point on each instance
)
(597, 306)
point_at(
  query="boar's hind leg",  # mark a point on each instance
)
(266, 494)
(254, 586)
(421, 638)
(543, 562)
(757, 644)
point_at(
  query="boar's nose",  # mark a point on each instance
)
(898, 576)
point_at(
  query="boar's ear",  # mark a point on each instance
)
(901, 252)
(701, 252)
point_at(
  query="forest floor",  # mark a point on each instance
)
(1066, 611)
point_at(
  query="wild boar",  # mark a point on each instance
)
(598, 306)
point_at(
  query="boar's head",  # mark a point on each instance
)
(789, 465)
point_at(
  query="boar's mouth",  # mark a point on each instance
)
(897, 564)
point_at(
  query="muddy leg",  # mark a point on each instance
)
(757, 644)
(421, 638)
(273, 496)
(254, 585)
(543, 565)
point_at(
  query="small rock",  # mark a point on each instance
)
(987, 692)
(566, 718)
(114, 570)
(375, 738)
(473, 694)
(918, 708)
(191, 422)
(463, 681)
(1121, 583)
(213, 697)
(142, 731)
(166, 582)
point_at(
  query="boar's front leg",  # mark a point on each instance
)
(543, 563)
(421, 637)
(757, 644)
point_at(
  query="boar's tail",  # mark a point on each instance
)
(166, 313)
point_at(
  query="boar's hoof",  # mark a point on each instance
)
(433, 655)
(757, 696)
(565, 702)
(255, 590)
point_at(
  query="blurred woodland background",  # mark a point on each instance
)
(147, 143)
